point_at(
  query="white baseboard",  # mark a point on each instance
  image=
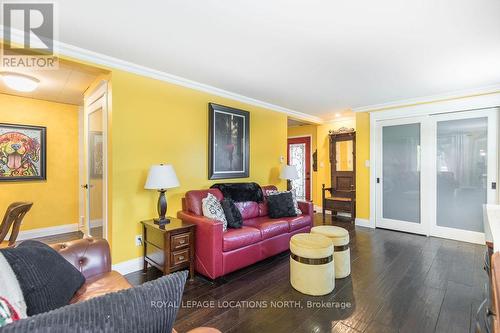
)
(44, 232)
(129, 266)
(363, 223)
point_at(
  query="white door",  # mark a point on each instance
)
(435, 172)
(399, 175)
(96, 164)
(464, 156)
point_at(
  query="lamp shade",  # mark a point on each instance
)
(289, 172)
(161, 177)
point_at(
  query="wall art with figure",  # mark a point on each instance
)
(228, 142)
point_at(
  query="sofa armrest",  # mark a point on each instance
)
(306, 207)
(90, 256)
(208, 243)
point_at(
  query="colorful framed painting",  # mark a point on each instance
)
(22, 152)
(229, 138)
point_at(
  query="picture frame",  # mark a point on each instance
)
(228, 142)
(23, 153)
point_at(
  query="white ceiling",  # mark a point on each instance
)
(315, 56)
(64, 85)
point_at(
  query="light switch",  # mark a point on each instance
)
(321, 164)
(367, 163)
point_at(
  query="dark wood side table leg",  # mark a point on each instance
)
(192, 255)
(145, 267)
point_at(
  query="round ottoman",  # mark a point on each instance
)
(341, 253)
(311, 264)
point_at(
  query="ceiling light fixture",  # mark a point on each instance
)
(20, 82)
(337, 115)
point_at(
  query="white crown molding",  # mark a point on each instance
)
(75, 52)
(430, 99)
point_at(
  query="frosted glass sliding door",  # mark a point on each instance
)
(399, 175)
(462, 169)
(401, 172)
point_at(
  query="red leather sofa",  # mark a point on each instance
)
(219, 253)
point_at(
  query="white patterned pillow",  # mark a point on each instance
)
(294, 197)
(213, 210)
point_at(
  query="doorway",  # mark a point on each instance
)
(435, 172)
(96, 163)
(299, 155)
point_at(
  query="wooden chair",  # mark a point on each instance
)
(13, 217)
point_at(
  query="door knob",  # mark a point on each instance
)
(86, 186)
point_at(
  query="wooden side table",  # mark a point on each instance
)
(169, 247)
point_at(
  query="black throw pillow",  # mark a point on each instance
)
(150, 307)
(233, 214)
(281, 205)
(46, 279)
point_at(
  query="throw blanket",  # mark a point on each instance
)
(240, 192)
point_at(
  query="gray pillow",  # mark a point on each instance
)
(151, 307)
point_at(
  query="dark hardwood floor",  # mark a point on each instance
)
(399, 283)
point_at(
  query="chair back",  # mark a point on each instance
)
(13, 218)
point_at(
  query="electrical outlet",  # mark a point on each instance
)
(138, 240)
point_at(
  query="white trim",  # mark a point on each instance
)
(310, 157)
(71, 51)
(129, 266)
(363, 223)
(98, 99)
(44, 232)
(461, 94)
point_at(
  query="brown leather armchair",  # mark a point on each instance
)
(92, 258)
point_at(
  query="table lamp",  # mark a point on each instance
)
(289, 172)
(161, 177)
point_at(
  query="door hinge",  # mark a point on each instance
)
(493, 185)
(378, 180)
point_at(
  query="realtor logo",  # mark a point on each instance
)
(28, 35)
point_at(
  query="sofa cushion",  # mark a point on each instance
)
(47, 280)
(212, 209)
(298, 222)
(281, 205)
(232, 213)
(236, 238)
(248, 209)
(240, 192)
(150, 307)
(99, 285)
(263, 208)
(268, 227)
(194, 198)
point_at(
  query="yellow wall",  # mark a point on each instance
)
(362, 172)
(56, 199)
(154, 122)
(308, 130)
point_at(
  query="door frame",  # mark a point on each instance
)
(492, 171)
(310, 158)
(466, 103)
(94, 101)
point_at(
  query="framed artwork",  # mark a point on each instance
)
(22, 152)
(96, 154)
(228, 142)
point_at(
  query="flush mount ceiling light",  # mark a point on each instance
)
(20, 82)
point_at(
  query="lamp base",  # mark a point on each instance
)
(161, 221)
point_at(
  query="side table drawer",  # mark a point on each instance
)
(180, 257)
(179, 241)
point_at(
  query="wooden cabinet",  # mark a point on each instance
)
(170, 247)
